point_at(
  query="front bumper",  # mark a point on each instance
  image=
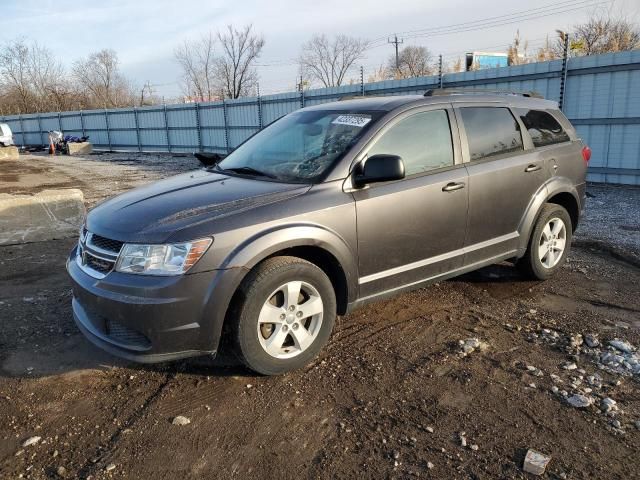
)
(151, 319)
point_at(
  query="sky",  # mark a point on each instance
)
(145, 33)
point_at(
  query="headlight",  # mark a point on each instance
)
(171, 259)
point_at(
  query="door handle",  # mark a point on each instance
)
(452, 187)
(532, 168)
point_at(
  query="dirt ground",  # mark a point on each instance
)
(391, 396)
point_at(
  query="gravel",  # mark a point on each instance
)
(612, 216)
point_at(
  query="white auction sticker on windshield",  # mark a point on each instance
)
(352, 120)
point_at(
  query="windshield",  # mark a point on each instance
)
(301, 147)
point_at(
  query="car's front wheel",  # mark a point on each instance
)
(549, 243)
(285, 314)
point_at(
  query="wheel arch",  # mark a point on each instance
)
(316, 244)
(558, 190)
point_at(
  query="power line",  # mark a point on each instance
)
(500, 24)
(529, 14)
(482, 24)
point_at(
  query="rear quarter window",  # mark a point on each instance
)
(490, 131)
(543, 128)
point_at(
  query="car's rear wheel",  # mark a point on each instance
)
(549, 243)
(285, 315)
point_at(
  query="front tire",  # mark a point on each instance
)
(284, 316)
(549, 243)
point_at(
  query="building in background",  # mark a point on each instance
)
(482, 60)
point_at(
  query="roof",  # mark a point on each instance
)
(383, 103)
(388, 103)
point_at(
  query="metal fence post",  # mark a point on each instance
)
(166, 128)
(82, 124)
(361, 80)
(259, 109)
(440, 71)
(226, 125)
(199, 133)
(40, 129)
(565, 65)
(106, 120)
(21, 129)
(135, 118)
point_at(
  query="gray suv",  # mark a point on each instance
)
(328, 208)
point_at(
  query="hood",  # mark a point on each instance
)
(161, 211)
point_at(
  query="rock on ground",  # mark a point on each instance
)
(535, 462)
(180, 420)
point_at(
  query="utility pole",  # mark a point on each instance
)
(440, 71)
(396, 42)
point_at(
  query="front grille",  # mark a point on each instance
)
(125, 335)
(105, 243)
(97, 264)
(97, 255)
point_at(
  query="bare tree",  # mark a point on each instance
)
(329, 61)
(235, 72)
(380, 74)
(603, 34)
(99, 77)
(412, 62)
(14, 71)
(32, 79)
(198, 68)
(455, 67)
(546, 52)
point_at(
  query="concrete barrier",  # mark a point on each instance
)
(47, 215)
(9, 153)
(83, 148)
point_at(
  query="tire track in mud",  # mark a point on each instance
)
(103, 451)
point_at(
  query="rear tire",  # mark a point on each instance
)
(284, 316)
(549, 243)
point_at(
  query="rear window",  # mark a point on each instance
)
(543, 127)
(491, 131)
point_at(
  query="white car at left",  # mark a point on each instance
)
(6, 137)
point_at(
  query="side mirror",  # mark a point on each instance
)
(379, 168)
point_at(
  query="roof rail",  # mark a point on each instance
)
(358, 96)
(436, 92)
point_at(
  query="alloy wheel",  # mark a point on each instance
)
(553, 242)
(290, 319)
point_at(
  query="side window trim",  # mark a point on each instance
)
(453, 125)
(464, 141)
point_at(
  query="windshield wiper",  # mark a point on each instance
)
(248, 170)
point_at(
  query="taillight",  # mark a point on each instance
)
(586, 154)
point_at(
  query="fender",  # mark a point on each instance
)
(265, 243)
(547, 190)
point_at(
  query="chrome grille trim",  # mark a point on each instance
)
(89, 253)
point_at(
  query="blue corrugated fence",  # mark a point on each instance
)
(601, 98)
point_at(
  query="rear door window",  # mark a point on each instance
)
(543, 127)
(423, 141)
(491, 131)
